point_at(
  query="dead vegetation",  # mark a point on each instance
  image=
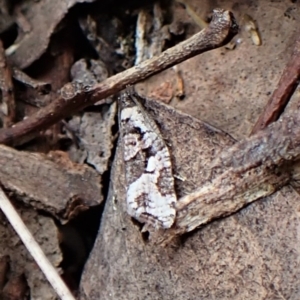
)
(62, 64)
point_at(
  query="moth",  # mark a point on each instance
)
(150, 192)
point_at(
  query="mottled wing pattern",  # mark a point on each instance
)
(150, 184)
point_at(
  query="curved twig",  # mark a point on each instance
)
(73, 97)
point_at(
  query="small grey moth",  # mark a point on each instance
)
(150, 183)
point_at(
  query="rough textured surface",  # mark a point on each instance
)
(95, 140)
(249, 170)
(52, 183)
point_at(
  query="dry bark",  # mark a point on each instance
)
(52, 183)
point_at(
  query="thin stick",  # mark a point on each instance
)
(34, 248)
(251, 169)
(196, 18)
(284, 91)
(8, 105)
(74, 97)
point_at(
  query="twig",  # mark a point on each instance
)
(8, 106)
(73, 97)
(249, 170)
(34, 248)
(42, 87)
(197, 19)
(285, 89)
